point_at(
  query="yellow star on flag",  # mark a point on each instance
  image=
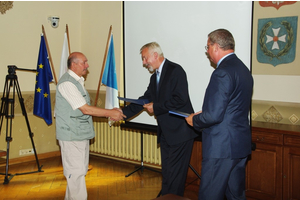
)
(45, 95)
(41, 66)
(38, 90)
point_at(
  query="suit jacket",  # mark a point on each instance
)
(224, 120)
(172, 95)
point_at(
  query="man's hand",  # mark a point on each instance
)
(197, 113)
(116, 114)
(189, 119)
(149, 107)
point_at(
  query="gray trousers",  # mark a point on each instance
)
(75, 160)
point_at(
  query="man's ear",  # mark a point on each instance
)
(216, 47)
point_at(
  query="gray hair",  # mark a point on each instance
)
(153, 47)
(223, 38)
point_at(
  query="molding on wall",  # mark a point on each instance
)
(136, 162)
(276, 112)
(29, 158)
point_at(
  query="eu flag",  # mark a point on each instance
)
(42, 101)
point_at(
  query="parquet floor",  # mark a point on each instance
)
(105, 181)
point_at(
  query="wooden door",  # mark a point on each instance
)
(264, 172)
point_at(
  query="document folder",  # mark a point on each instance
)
(179, 113)
(135, 101)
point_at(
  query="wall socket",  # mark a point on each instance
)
(26, 152)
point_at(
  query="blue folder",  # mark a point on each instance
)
(179, 113)
(135, 101)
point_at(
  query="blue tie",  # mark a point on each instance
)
(157, 79)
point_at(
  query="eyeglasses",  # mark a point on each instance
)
(206, 47)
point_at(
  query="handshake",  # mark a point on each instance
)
(116, 114)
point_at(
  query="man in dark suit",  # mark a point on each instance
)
(224, 121)
(168, 90)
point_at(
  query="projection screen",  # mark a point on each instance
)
(181, 29)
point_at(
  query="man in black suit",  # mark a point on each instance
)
(224, 121)
(168, 90)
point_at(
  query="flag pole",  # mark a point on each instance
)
(49, 54)
(67, 31)
(103, 64)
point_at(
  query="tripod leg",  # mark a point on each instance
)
(7, 177)
(5, 100)
(192, 168)
(5, 112)
(142, 161)
(140, 168)
(159, 194)
(21, 100)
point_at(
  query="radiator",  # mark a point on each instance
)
(124, 144)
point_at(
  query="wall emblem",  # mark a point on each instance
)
(275, 4)
(5, 5)
(276, 40)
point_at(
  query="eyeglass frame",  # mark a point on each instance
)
(207, 47)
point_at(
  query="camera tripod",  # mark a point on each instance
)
(7, 111)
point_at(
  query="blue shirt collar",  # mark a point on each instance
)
(223, 58)
(161, 66)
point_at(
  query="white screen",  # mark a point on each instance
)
(181, 29)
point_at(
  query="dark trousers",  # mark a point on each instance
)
(222, 177)
(175, 163)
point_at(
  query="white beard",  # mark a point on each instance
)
(150, 68)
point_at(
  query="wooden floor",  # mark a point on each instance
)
(105, 181)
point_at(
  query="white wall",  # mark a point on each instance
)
(181, 29)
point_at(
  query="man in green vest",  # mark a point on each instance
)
(74, 124)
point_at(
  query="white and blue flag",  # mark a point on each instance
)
(109, 78)
(64, 56)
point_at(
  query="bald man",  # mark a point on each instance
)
(74, 124)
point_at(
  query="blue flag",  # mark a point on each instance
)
(109, 78)
(42, 101)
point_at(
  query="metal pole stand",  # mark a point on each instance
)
(142, 167)
(7, 111)
(142, 128)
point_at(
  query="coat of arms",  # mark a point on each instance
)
(275, 4)
(276, 40)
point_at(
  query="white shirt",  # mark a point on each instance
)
(160, 67)
(70, 92)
